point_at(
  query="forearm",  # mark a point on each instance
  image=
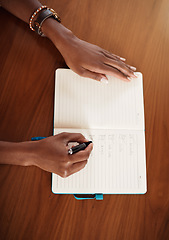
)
(49, 154)
(22, 153)
(23, 9)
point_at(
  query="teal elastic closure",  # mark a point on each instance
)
(97, 196)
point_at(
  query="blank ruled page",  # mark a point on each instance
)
(86, 103)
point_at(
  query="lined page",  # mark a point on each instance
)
(86, 103)
(116, 164)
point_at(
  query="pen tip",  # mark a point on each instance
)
(87, 143)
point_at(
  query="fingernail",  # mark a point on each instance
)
(129, 78)
(104, 80)
(133, 68)
(123, 59)
(135, 74)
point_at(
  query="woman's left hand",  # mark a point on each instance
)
(86, 59)
(91, 61)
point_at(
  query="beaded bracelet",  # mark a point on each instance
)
(41, 17)
(34, 14)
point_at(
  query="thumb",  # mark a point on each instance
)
(96, 76)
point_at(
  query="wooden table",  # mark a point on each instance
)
(135, 29)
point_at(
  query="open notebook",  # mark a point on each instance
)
(112, 116)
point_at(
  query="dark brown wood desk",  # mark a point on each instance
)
(135, 29)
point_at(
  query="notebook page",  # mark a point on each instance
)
(116, 164)
(86, 103)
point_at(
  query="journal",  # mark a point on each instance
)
(112, 116)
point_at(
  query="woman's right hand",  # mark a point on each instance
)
(52, 154)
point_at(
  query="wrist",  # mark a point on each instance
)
(56, 32)
(23, 153)
(27, 153)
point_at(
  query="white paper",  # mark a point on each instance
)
(86, 103)
(112, 116)
(116, 164)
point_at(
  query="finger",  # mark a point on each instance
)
(111, 71)
(111, 55)
(120, 66)
(73, 137)
(131, 67)
(81, 155)
(96, 76)
(76, 167)
(115, 57)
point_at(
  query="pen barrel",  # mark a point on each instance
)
(79, 148)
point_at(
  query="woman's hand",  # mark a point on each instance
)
(91, 61)
(84, 58)
(52, 154)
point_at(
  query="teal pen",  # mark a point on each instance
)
(37, 138)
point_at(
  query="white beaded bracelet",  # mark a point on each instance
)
(34, 14)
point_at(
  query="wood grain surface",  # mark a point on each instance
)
(135, 29)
